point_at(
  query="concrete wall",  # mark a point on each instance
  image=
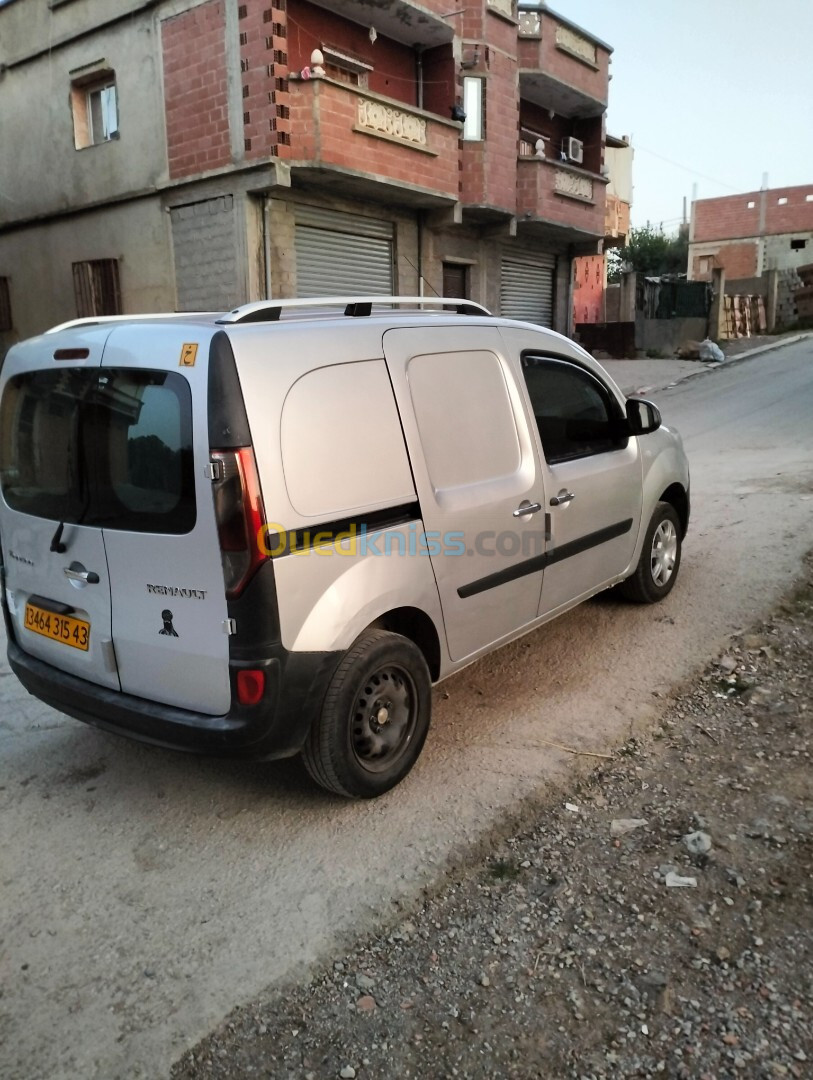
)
(664, 335)
(38, 262)
(46, 174)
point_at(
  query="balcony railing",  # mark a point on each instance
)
(560, 195)
(334, 125)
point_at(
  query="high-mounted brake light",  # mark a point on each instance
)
(71, 354)
(240, 516)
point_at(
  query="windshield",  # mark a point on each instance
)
(104, 446)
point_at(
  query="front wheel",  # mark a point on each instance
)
(374, 718)
(657, 569)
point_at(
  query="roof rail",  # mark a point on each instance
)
(355, 307)
(98, 320)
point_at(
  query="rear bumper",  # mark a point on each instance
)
(276, 727)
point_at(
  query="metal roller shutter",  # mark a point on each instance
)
(342, 254)
(526, 289)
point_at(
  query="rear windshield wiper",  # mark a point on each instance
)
(57, 546)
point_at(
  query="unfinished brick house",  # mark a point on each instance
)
(749, 234)
(174, 154)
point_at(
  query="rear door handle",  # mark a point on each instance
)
(527, 508)
(89, 577)
(563, 497)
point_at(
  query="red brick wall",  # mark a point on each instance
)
(542, 54)
(393, 64)
(195, 96)
(588, 289)
(502, 128)
(536, 196)
(263, 28)
(729, 217)
(439, 80)
(324, 115)
(738, 260)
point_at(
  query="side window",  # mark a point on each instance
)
(575, 413)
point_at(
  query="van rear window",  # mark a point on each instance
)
(104, 446)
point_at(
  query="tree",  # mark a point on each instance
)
(649, 251)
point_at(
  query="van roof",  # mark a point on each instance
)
(265, 311)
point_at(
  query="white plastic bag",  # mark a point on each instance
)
(710, 353)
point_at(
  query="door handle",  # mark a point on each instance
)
(527, 508)
(564, 497)
(89, 577)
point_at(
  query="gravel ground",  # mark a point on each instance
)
(653, 920)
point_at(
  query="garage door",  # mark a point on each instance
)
(526, 289)
(342, 254)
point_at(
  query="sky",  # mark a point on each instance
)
(712, 92)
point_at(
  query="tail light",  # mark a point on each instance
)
(240, 516)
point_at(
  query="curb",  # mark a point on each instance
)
(711, 366)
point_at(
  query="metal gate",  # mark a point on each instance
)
(526, 289)
(342, 254)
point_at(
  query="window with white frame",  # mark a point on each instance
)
(95, 110)
(473, 108)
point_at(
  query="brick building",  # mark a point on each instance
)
(749, 234)
(196, 154)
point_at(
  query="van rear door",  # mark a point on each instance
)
(169, 613)
(56, 574)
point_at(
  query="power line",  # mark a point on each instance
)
(685, 168)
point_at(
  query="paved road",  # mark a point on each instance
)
(144, 894)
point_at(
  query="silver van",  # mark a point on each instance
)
(270, 531)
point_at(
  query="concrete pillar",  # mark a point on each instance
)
(771, 298)
(717, 325)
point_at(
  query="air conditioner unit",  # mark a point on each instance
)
(573, 149)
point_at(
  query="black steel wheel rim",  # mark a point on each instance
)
(384, 719)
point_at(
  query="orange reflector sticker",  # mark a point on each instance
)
(189, 353)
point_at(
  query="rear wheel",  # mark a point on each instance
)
(658, 566)
(374, 718)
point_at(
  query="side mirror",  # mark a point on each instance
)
(643, 416)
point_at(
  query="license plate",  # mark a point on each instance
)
(62, 628)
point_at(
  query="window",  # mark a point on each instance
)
(95, 110)
(107, 446)
(798, 245)
(575, 413)
(5, 305)
(96, 288)
(751, 204)
(343, 67)
(782, 202)
(473, 108)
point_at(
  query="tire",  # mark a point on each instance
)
(657, 569)
(374, 719)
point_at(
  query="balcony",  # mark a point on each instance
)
(365, 145)
(561, 66)
(426, 23)
(560, 201)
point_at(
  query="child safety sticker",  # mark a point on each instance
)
(189, 354)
